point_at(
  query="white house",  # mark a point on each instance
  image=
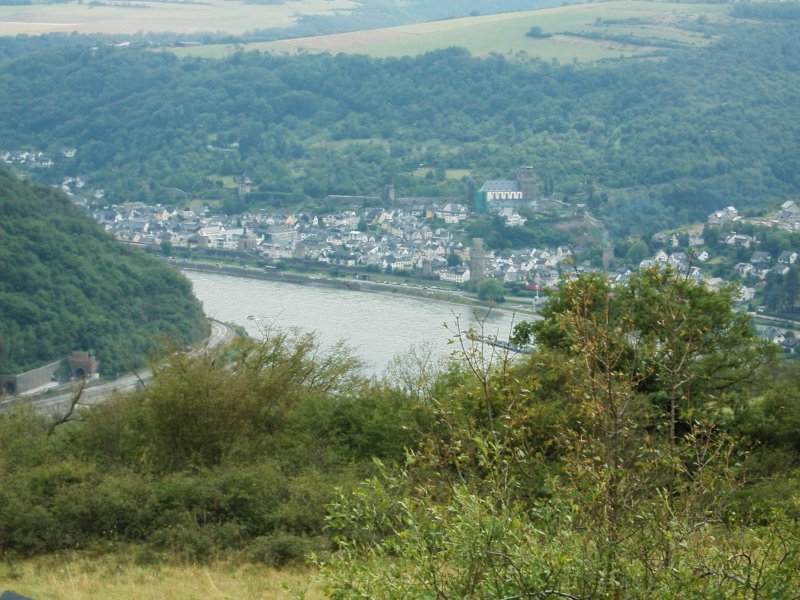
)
(512, 217)
(452, 213)
(511, 275)
(725, 215)
(455, 275)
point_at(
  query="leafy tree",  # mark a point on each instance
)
(536, 33)
(637, 252)
(637, 507)
(491, 290)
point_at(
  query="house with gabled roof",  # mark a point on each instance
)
(789, 211)
(760, 258)
(454, 275)
(726, 215)
(740, 240)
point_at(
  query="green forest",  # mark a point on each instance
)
(647, 448)
(648, 144)
(66, 285)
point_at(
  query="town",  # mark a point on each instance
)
(423, 240)
(426, 242)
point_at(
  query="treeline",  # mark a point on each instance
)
(675, 138)
(66, 285)
(789, 11)
(648, 447)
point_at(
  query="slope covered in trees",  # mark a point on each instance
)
(675, 138)
(67, 285)
(648, 447)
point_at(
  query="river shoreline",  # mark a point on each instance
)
(454, 297)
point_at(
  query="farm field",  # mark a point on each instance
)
(573, 33)
(182, 17)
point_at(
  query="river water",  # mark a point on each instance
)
(377, 326)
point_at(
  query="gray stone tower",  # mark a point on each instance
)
(476, 262)
(528, 184)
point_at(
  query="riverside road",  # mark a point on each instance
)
(94, 394)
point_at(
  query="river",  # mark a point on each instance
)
(377, 326)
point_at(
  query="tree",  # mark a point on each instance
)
(536, 32)
(642, 482)
(791, 288)
(453, 259)
(637, 252)
(491, 290)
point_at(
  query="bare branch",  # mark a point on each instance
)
(73, 404)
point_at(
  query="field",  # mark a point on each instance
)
(457, 174)
(178, 16)
(573, 33)
(72, 577)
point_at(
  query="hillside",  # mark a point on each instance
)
(676, 138)
(67, 285)
(618, 459)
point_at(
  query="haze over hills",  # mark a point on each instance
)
(67, 285)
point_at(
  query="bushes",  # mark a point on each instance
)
(68, 504)
(623, 480)
(220, 452)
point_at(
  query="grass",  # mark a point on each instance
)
(74, 577)
(457, 174)
(231, 16)
(505, 33)
(228, 181)
(339, 144)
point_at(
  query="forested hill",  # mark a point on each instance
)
(673, 138)
(67, 285)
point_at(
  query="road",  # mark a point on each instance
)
(777, 320)
(59, 403)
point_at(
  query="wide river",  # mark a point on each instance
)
(377, 326)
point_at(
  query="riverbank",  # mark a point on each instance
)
(519, 306)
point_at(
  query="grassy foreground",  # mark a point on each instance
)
(74, 576)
